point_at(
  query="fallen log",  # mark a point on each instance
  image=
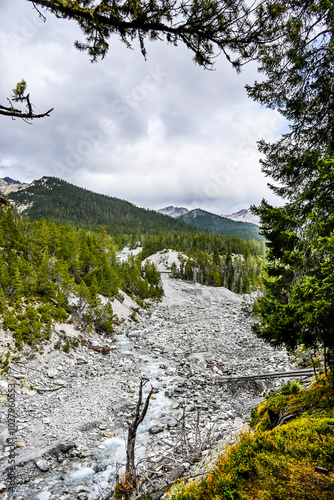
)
(296, 373)
(51, 389)
(101, 349)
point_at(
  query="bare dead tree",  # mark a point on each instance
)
(140, 412)
(158, 473)
(152, 476)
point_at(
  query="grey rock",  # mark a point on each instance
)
(60, 381)
(99, 467)
(189, 408)
(18, 376)
(4, 434)
(171, 423)
(82, 496)
(156, 429)
(65, 447)
(2, 487)
(52, 372)
(238, 422)
(4, 385)
(81, 360)
(81, 489)
(42, 465)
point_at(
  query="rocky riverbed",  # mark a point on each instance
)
(72, 408)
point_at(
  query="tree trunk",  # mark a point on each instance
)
(140, 412)
(325, 359)
(130, 471)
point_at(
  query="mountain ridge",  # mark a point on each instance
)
(9, 180)
(172, 211)
(208, 221)
(244, 215)
(56, 200)
(59, 201)
(218, 223)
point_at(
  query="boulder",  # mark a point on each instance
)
(42, 465)
(155, 429)
(52, 372)
(65, 447)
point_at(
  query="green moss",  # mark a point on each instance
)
(276, 463)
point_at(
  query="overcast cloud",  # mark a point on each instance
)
(155, 132)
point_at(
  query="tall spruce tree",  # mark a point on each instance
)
(299, 70)
(299, 304)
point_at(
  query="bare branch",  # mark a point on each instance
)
(19, 96)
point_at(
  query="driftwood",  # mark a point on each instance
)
(101, 349)
(296, 373)
(52, 389)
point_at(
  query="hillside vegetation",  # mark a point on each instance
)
(221, 225)
(288, 453)
(51, 272)
(58, 201)
(211, 260)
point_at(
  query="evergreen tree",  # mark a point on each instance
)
(299, 67)
(299, 303)
(3, 301)
(205, 28)
(17, 286)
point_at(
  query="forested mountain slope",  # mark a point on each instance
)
(58, 201)
(208, 221)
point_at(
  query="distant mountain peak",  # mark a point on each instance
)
(9, 185)
(244, 215)
(172, 211)
(9, 180)
(221, 225)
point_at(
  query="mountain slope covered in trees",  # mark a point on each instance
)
(220, 225)
(56, 200)
(212, 259)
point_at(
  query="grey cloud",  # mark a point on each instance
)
(155, 132)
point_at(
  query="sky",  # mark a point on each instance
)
(155, 132)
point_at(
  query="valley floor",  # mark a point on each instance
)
(184, 345)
